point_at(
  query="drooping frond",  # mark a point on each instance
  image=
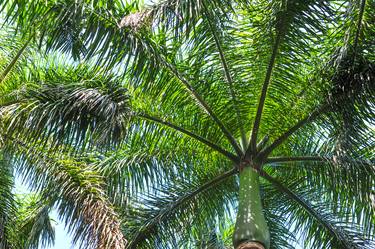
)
(166, 220)
(32, 226)
(73, 105)
(76, 190)
(206, 78)
(313, 218)
(345, 180)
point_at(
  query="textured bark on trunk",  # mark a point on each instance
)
(251, 230)
(250, 245)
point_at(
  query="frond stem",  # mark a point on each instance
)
(199, 138)
(359, 26)
(327, 158)
(195, 95)
(205, 106)
(287, 159)
(227, 73)
(14, 60)
(254, 133)
(312, 116)
(190, 89)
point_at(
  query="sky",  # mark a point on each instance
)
(63, 239)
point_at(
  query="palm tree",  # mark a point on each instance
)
(151, 125)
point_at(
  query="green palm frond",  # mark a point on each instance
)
(313, 219)
(139, 116)
(76, 190)
(33, 223)
(136, 168)
(346, 182)
(280, 233)
(152, 221)
(210, 241)
(55, 97)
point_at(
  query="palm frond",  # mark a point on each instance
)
(14, 61)
(348, 178)
(164, 220)
(281, 236)
(352, 86)
(77, 192)
(32, 223)
(146, 159)
(299, 73)
(336, 232)
(197, 137)
(215, 33)
(70, 105)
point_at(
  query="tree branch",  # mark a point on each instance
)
(210, 144)
(149, 227)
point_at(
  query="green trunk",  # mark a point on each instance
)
(250, 224)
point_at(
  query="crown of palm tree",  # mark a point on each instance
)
(134, 121)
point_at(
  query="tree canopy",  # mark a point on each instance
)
(134, 120)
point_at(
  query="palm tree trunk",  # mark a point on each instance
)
(251, 230)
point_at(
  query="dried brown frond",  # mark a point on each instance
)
(100, 220)
(136, 20)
